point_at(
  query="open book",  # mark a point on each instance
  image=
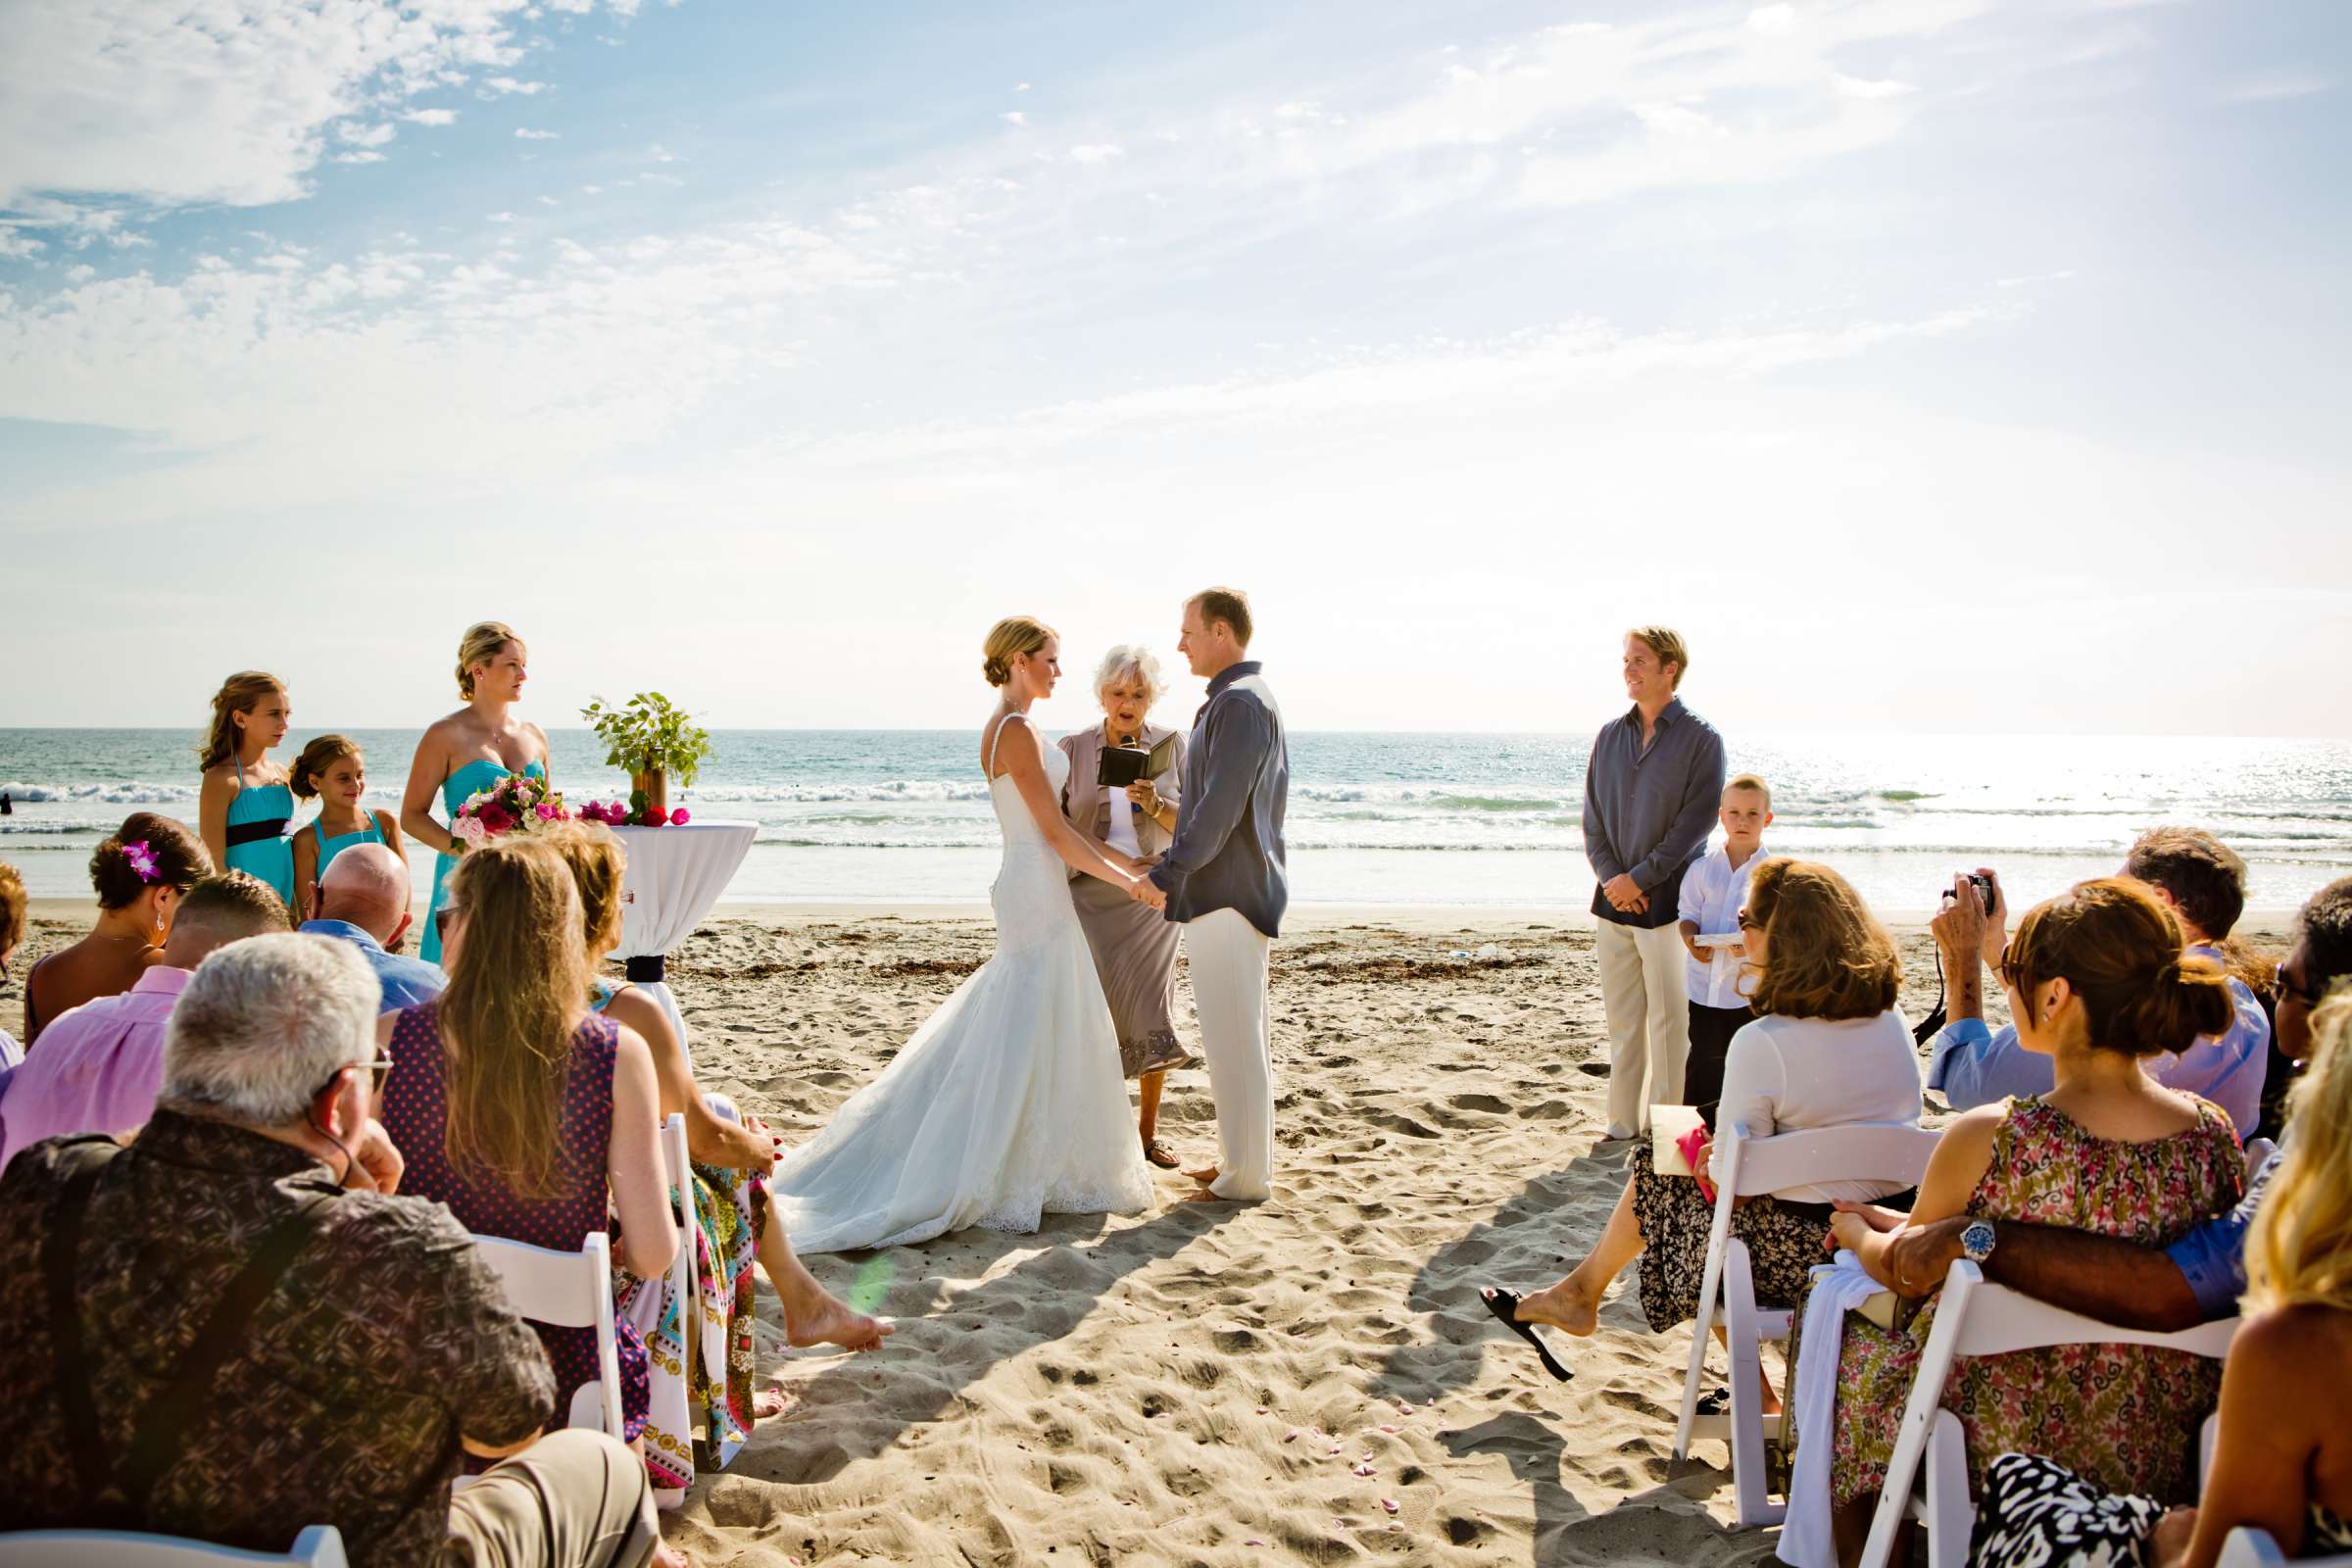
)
(1122, 766)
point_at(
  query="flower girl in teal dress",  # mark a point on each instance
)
(333, 769)
(244, 805)
(470, 750)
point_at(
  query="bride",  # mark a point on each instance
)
(1009, 1103)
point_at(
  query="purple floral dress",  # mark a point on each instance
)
(415, 1111)
(2122, 1416)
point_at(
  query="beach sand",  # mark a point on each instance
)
(1197, 1384)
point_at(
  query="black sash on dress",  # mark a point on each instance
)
(256, 832)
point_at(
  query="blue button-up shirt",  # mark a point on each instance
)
(2213, 1256)
(406, 981)
(1648, 810)
(1975, 1067)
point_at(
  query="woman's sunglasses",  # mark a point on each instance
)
(441, 921)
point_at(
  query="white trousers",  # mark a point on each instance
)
(1229, 988)
(1642, 985)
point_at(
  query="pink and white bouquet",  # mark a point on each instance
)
(519, 802)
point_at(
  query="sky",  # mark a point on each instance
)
(1943, 365)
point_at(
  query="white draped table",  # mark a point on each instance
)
(675, 874)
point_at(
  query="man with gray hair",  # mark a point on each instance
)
(364, 900)
(324, 1348)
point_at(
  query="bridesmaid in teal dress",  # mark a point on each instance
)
(333, 769)
(470, 750)
(244, 805)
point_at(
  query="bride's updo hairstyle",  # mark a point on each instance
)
(1007, 640)
(2120, 949)
(483, 640)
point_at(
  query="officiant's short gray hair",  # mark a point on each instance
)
(1136, 659)
(264, 1023)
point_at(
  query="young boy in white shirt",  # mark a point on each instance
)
(1713, 891)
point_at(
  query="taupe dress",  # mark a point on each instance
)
(1133, 945)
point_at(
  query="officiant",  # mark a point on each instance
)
(1134, 946)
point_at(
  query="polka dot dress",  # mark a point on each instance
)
(415, 1111)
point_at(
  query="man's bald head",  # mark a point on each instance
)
(367, 886)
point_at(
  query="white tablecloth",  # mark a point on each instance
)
(675, 875)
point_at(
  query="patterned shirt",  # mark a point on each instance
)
(386, 1340)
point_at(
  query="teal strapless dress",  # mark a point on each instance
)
(257, 835)
(479, 774)
(329, 848)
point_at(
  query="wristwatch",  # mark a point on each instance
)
(1976, 1242)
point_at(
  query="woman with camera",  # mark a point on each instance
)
(1134, 944)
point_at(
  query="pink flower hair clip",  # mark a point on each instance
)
(142, 861)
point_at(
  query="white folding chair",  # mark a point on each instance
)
(318, 1546)
(568, 1290)
(2258, 1150)
(2248, 1547)
(1745, 1167)
(1974, 1318)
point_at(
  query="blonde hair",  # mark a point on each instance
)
(312, 761)
(237, 695)
(12, 907)
(597, 862)
(480, 645)
(2300, 1251)
(1228, 605)
(1007, 640)
(517, 987)
(1667, 644)
(1751, 781)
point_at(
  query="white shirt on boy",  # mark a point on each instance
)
(1712, 893)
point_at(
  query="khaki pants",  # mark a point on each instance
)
(573, 1499)
(1229, 988)
(1641, 986)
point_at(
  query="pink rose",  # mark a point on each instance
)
(547, 812)
(677, 819)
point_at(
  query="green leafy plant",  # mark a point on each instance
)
(647, 734)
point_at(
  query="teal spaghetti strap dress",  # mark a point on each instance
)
(329, 848)
(479, 774)
(257, 834)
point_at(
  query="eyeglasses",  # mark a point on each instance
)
(2293, 990)
(378, 1070)
(441, 921)
(1748, 922)
(2012, 968)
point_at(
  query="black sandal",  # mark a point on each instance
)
(1715, 1401)
(1505, 1304)
(1160, 1155)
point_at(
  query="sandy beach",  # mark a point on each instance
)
(1198, 1384)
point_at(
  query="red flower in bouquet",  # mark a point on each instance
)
(495, 817)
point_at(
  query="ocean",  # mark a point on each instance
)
(900, 816)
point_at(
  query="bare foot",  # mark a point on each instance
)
(1203, 1195)
(1567, 1306)
(1204, 1175)
(829, 1322)
(666, 1555)
(771, 1403)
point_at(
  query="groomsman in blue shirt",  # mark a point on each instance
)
(1652, 789)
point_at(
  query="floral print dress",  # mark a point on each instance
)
(2124, 1417)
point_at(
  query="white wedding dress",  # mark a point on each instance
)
(1006, 1104)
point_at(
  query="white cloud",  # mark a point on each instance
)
(1013, 116)
(1020, 87)
(375, 135)
(365, 156)
(501, 85)
(430, 116)
(1101, 152)
(522, 134)
(2277, 86)
(1856, 88)
(498, 218)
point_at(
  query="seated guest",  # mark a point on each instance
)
(2323, 949)
(99, 1066)
(12, 935)
(2196, 1279)
(141, 871)
(379, 1348)
(364, 900)
(2097, 979)
(731, 1158)
(2282, 1456)
(2204, 883)
(1827, 1048)
(529, 1116)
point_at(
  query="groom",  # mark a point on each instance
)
(1223, 876)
